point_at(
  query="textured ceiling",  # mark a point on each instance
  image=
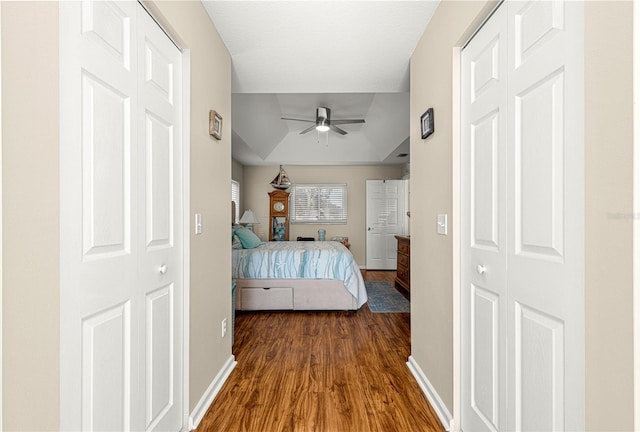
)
(289, 57)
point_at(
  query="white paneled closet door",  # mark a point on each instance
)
(523, 261)
(121, 220)
(484, 227)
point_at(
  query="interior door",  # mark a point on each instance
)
(545, 178)
(160, 225)
(121, 244)
(484, 227)
(386, 217)
(523, 297)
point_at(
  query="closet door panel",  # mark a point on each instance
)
(545, 271)
(483, 229)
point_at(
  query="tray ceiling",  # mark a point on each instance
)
(288, 57)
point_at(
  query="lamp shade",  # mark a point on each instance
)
(249, 218)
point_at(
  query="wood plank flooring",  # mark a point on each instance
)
(322, 371)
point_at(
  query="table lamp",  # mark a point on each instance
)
(249, 218)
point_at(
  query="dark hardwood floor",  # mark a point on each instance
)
(322, 371)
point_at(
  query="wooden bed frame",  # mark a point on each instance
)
(293, 294)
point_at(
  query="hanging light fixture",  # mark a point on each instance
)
(322, 119)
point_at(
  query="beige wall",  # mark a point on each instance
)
(257, 187)
(608, 194)
(431, 192)
(31, 317)
(30, 204)
(210, 191)
(608, 236)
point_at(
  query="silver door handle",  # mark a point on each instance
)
(481, 269)
(163, 269)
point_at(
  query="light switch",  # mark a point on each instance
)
(198, 223)
(442, 224)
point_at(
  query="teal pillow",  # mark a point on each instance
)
(247, 237)
(235, 242)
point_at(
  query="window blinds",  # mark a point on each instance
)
(319, 204)
(235, 197)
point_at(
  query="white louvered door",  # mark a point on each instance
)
(121, 220)
(522, 239)
(385, 218)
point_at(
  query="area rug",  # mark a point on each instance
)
(384, 298)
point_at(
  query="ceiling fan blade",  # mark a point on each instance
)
(347, 121)
(302, 120)
(337, 129)
(309, 129)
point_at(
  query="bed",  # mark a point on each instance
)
(302, 275)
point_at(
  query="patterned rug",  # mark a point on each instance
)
(384, 298)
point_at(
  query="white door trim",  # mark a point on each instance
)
(636, 213)
(1, 242)
(456, 211)
(186, 209)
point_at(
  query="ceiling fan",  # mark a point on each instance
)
(323, 122)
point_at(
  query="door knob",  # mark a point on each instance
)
(163, 269)
(481, 269)
(369, 229)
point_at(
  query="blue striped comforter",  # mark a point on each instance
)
(301, 260)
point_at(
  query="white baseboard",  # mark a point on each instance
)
(207, 398)
(432, 395)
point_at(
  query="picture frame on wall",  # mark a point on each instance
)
(426, 123)
(215, 125)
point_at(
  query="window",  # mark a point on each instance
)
(235, 197)
(319, 204)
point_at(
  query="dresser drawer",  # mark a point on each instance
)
(403, 270)
(266, 298)
(403, 275)
(403, 247)
(403, 261)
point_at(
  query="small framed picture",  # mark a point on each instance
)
(215, 125)
(426, 123)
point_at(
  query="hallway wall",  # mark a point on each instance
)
(31, 193)
(432, 189)
(608, 205)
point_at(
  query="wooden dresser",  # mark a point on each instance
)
(403, 273)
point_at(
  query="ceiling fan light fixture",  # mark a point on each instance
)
(322, 119)
(323, 122)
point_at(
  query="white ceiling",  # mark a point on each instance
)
(290, 57)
